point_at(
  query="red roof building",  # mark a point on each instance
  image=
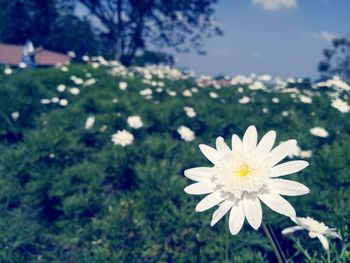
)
(12, 55)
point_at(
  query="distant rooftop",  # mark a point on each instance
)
(12, 55)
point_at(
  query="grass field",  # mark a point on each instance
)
(69, 194)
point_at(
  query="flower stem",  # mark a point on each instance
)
(226, 247)
(272, 243)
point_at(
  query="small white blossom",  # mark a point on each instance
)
(89, 123)
(15, 115)
(135, 122)
(315, 229)
(122, 138)
(63, 102)
(319, 131)
(186, 133)
(61, 88)
(123, 85)
(213, 95)
(74, 91)
(244, 100)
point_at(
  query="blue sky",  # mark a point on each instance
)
(279, 37)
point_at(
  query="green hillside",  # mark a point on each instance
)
(69, 194)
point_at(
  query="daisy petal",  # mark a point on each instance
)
(209, 201)
(266, 143)
(210, 153)
(199, 173)
(252, 209)
(290, 230)
(200, 188)
(221, 146)
(287, 187)
(323, 240)
(281, 151)
(236, 218)
(333, 234)
(250, 138)
(236, 143)
(278, 204)
(221, 211)
(288, 168)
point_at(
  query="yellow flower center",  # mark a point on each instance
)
(243, 170)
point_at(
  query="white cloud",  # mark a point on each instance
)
(273, 5)
(324, 35)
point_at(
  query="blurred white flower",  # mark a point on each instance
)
(190, 112)
(64, 68)
(275, 100)
(74, 91)
(55, 100)
(244, 100)
(123, 85)
(45, 101)
(63, 102)
(85, 58)
(71, 54)
(244, 175)
(61, 88)
(265, 110)
(90, 82)
(135, 122)
(315, 229)
(319, 131)
(171, 93)
(146, 92)
(89, 123)
(122, 138)
(8, 71)
(305, 99)
(186, 133)
(22, 65)
(15, 115)
(187, 93)
(340, 105)
(213, 95)
(285, 113)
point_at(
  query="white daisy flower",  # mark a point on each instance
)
(340, 105)
(61, 88)
(244, 100)
(190, 112)
(122, 138)
(319, 132)
(305, 99)
(243, 176)
(63, 102)
(89, 123)
(187, 93)
(146, 92)
(45, 101)
(213, 95)
(135, 122)
(15, 115)
(123, 85)
(315, 228)
(8, 71)
(186, 133)
(74, 91)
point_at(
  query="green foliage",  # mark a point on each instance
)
(69, 195)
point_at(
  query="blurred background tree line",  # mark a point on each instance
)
(118, 29)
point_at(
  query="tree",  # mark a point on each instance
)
(337, 60)
(129, 26)
(48, 23)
